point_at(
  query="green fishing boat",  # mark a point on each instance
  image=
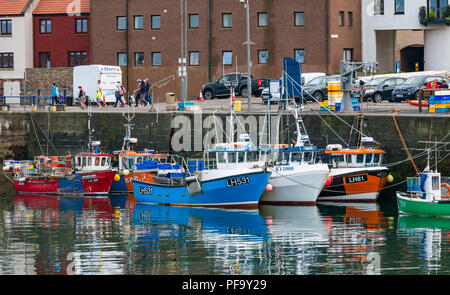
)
(427, 195)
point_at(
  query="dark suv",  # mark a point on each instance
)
(381, 88)
(318, 88)
(411, 87)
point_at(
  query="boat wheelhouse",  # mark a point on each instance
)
(357, 174)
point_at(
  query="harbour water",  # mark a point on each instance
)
(79, 235)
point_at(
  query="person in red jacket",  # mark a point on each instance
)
(433, 84)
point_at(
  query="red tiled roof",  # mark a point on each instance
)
(12, 7)
(62, 7)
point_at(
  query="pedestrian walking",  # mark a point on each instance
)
(137, 92)
(148, 95)
(55, 94)
(119, 93)
(82, 98)
(99, 96)
(143, 93)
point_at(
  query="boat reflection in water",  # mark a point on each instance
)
(90, 249)
(428, 234)
(222, 239)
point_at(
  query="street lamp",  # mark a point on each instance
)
(249, 62)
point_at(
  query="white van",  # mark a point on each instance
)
(275, 92)
(87, 77)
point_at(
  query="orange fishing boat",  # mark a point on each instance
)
(357, 174)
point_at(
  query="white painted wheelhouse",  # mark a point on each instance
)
(89, 162)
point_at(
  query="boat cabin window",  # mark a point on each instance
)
(263, 156)
(360, 158)
(369, 158)
(252, 156)
(97, 161)
(348, 158)
(221, 157)
(241, 157)
(84, 161)
(231, 157)
(308, 157)
(435, 183)
(338, 160)
(296, 157)
(376, 158)
(103, 161)
(78, 161)
(139, 160)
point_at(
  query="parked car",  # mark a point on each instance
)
(318, 88)
(218, 88)
(274, 95)
(412, 86)
(379, 89)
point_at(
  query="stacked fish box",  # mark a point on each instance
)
(334, 95)
(356, 104)
(323, 106)
(439, 102)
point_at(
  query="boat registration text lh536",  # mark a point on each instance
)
(238, 181)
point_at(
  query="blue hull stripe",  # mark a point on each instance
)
(215, 192)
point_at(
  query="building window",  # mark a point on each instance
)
(156, 22)
(227, 58)
(438, 6)
(138, 22)
(44, 60)
(156, 58)
(77, 58)
(122, 59)
(193, 21)
(263, 56)
(263, 19)
(299, 55)
(227, 20)
(341, 18)
(350, 18)
(46, 26)
(121, 22)
(299, 19)
(138, 58)
(193, 58)
(379, 7)
(81, 25)
(399, 6)
(348, 54)
(7, 60)
(6, 27)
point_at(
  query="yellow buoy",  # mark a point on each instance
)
(390, 178)
(116, 177)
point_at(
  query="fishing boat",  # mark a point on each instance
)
(88, 173)
(143, 165)
(357, 174)
(211, 182)
(426, 195)
(85, 173)
(298, 173)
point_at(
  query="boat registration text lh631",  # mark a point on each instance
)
(238, 181)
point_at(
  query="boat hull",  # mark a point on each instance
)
(300, 186)
(354, 184)
(236, 191)
(91, 183)
(422, 207)
(125, 184)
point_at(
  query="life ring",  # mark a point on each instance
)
(447, 196)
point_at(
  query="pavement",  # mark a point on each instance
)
(257, 106)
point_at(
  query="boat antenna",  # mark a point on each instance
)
(126, 141)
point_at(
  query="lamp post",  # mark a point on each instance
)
(249, 62)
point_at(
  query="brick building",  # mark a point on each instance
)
(143, 36)
(61, 33)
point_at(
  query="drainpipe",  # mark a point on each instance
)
(209, 40)
(127, 42)
(327, 35)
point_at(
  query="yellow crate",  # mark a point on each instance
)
(237, 106)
